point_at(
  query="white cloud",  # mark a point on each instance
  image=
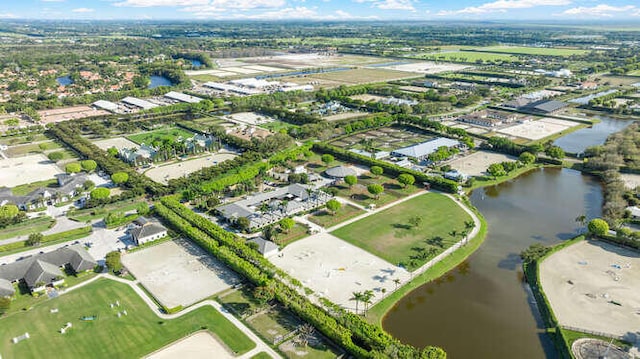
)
(224, 5)
(503, 6)
(7, 15)
(155, 3)
(82, 10)
(601, 10)
(299, 12)
(390, 4)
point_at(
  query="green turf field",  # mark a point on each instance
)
(160, 135)
(131, 336)
(543, 51)
(470, 56)
(387, 234)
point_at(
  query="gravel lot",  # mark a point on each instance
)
(590, 302)
(335, 269)
(26, 169)
(179, 272)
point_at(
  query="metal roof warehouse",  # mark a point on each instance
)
(424, 149)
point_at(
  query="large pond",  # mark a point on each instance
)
(482, 309)
(577, 142)
(157, 81)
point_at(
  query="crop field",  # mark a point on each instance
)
(362, 76)
(388, 234)
(160, 135)
(138, 333)
(543, 51)
(471, 56)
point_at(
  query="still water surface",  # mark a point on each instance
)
(578, 141)
(481, 309)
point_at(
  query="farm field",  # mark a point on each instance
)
(543, 51)
(470, 56)
(160, 135)
(138, 333)
(388, 234)
(362, 76)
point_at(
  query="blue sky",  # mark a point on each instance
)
(553, 10)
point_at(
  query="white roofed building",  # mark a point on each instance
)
(422, 150)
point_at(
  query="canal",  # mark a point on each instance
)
(482, 309)
(577, 142)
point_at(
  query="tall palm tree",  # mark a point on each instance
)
(396, 282)
(366, 299)
(581, 220)
(357, 297)
(469, 224)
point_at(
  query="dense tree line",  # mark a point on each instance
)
(352, 332)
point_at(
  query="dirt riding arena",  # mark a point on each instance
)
(26, 169)
(335, 269)
(427, 67)
(594, 286)
(476, 164)
(163, 174)
(117, 142)
(249, 118)
(535, 130)
(179, 273)
(201, 345)
(69, 113)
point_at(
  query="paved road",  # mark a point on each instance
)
(260, 345)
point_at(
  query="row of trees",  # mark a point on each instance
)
(354, 334)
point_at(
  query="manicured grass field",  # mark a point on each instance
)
(544, 51)
(160, 135)
(36, 225)
(326, 219)
(470, 56)
(388, 235)
(298, 231)
(132, 336)
(91, 214)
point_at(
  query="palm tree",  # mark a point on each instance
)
(469, 224)
(357, 297)
(581, 220)
(396, 282)
(306, 331)
(366, 299)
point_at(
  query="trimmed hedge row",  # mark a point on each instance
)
(360, 338)
(439, 183)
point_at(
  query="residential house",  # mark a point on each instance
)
(45, 269)
(144, 231)
(265, 247)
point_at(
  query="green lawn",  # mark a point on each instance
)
(160, 135)
(388, 235)
(524, 50)
(29, 226)
(276, 126)
(91, 214)
(326, 219)
(261, 355)
(134, 335)
(298, 231)
(25, 189)
(47, 240)
(470, 56)
(393, 191)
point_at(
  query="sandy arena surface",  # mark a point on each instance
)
(344, 116)
(593, 267)
(476, 164)
(630, 180)
(117, 142)
(69, 113)
(179, 272)
(427, 67)
(536, 130)
(335, 269)
(26, 169)
(201, 345)
(250, 118)
(163, 174)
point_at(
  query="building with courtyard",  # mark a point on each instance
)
(270, 207)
